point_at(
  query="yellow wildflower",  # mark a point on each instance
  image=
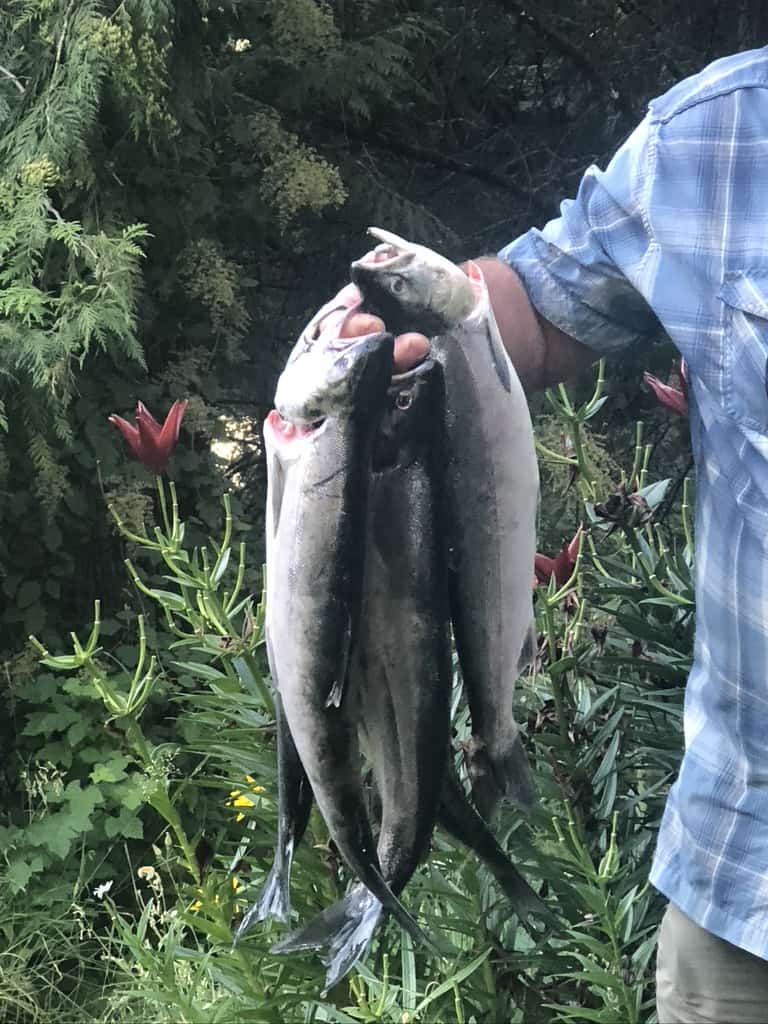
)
(242, 801)
(253, 786)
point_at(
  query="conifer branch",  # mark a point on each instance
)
(11, 77)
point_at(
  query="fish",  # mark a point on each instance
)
(294, 802)
(294, 791)
(318, 438)
(411, 287)
(493, 488)
(460, 819)
(400, 670)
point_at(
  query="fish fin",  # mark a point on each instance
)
(529, 648)
(342, 933)
(334, 698)
(371, 877)
(271, 660)
(274, 901)
(275, 489)
(321, 930)
(499, 356)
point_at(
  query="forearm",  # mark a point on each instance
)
(541, 353)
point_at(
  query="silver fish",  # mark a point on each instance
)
(317, 480)
(493, 488)
(400, 672)
(294, 803)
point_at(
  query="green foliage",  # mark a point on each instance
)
(603, 714)
(181, 185)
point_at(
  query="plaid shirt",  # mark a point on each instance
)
(674, 235)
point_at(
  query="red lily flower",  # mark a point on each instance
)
(149, 442)
(561, 566)
(671, 397)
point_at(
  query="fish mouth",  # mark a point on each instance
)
(392, 252)
(422, 368)
(286, 431)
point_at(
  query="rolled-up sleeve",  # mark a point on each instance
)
(584, 270)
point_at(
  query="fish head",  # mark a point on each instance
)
(337, 378)
(411, 287)
(414, 417)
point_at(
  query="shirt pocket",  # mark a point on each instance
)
(745, 349)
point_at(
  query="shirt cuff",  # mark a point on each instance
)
(602, 311)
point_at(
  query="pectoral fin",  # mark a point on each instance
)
(336, 693)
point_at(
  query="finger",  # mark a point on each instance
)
(358, 324)
(410, 350)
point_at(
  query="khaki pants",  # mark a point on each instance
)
(701, 979)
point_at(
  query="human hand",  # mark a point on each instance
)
(410, 348)
(343, 317)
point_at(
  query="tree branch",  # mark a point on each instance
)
(568, 49)
(425, 154)
(11, 77)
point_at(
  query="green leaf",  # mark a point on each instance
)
(28, 593)
(198, 668)
(408, 965)
(112, 770)
(65, 662)
(169, 600)
(221, 567)
(654, 493)
(596, 946)
(608, 761)
(34, 619)
(126, 824)
(605, 807)
(447, 985)
(581, 1013)
(593, 975)
(19, 873)
(557, 668)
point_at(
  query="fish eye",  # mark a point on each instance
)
(397, 285)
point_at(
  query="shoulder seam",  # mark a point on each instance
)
(698, 100)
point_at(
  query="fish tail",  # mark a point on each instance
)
(381, 891)
(274, 900)
(342, 933)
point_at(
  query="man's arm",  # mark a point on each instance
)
(541, 353)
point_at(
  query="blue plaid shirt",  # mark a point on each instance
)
(674, 234)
